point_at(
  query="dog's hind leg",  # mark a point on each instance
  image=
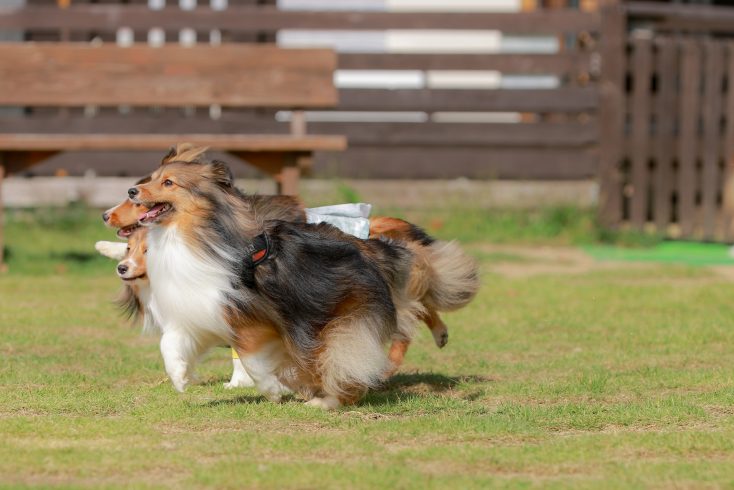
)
(264, 366)
(396, 355)
(352, 360)
(437, 327)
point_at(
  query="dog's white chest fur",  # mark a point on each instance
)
(188, 289)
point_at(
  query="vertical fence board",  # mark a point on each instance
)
(712, 101)
(728, 204)
(641, 66)
(690, 75)
(666, 67)
(613, 39)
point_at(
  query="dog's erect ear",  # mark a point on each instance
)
(112, 250)
(169, 156)
(184, 152)
(221, 174)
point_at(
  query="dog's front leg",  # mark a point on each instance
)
(179, 356)
(240, 378)
(263, 366)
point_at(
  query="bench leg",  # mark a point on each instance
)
(288, 180)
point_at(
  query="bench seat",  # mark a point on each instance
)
(225, 142)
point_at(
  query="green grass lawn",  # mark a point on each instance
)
(617, 377)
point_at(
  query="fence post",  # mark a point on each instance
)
(3, 267)
(728, 190)
(611, 112)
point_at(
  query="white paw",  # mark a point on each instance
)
(239, 383)
(180, 384)
(180, 379)
(325, 403)
(240, 378)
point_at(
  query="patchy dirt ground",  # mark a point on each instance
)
(514, 261)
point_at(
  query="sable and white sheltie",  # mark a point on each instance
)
(307, 307)
(442, 278)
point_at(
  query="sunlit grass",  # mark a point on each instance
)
(612, 378)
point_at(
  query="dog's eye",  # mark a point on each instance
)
(127, 250)
(145, 251)
(168, 182)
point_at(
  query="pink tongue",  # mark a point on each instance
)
(151, 212)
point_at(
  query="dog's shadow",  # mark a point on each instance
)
(399, 388)
(420, 385)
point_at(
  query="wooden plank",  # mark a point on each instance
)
(613, 40)
(682, 17)
(641, 68)
(358, 133)
(712, 111)
(728, 151)
(76, 142)
(666, 115)
(422, 162)
(565, 99)
(557, 64)
(173, 75)
(688, 117)
(402, 162)
(265, 18)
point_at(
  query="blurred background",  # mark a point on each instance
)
(618, 111)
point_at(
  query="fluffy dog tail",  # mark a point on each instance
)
(453, 278)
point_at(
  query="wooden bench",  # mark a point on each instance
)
(236, 75)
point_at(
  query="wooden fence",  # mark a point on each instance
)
(668, 144)
(557, 133)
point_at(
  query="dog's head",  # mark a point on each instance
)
(125, 215)
(132, 267)
(179, 189)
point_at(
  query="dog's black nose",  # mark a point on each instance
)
(121, 269)
(105, 217)
(132, 192)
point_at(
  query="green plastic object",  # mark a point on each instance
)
(690, 253)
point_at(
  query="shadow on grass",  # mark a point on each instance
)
(398, 389)
(432, 382)
(238, 400)
(411, 386)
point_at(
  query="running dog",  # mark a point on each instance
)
(443, 277)
(307, 307)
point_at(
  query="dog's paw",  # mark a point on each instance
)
(180, 384)
(441, 337)
(238, 383)
(325, 403)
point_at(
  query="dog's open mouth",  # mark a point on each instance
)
(141, 276)
(156, 212)
(126, 231)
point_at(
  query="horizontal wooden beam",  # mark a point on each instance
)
(665, 17)
(451, 162)
(246, 18)
(557, 64)
(569, 99)
(229, 142)
(242, 75)
(357, 133)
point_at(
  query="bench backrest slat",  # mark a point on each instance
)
(67, 74)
